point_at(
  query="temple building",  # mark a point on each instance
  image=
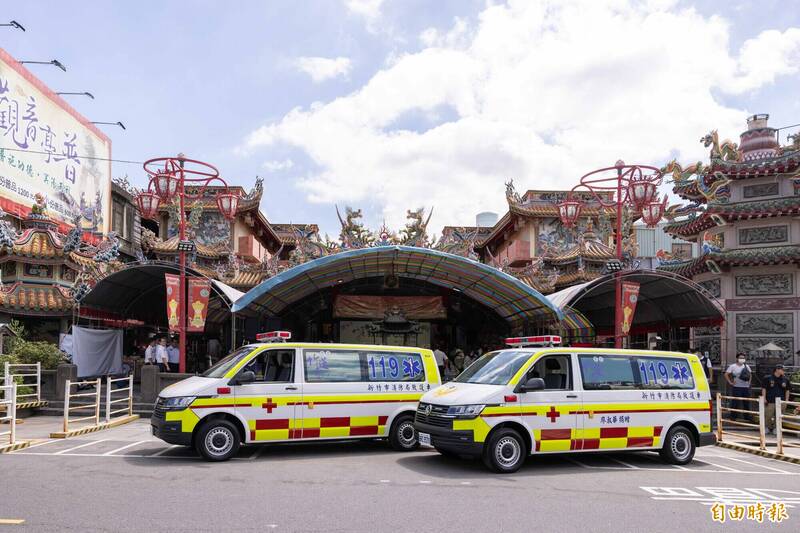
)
(743, 211)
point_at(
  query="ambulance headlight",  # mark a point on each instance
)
(176, 404)
(465, 411)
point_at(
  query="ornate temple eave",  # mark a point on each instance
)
(788, 162)
(757, 209)
(170, 247)
(742, 257)
(33, 299)
(689, 229)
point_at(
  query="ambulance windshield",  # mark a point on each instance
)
(226, 363)
(494, 368)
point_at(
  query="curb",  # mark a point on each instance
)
(91, 429)
(6, 448)
(756, 451)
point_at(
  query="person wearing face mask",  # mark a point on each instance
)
(774, 386)
(738, 377)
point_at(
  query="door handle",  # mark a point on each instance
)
(291, 387)
(572, 395)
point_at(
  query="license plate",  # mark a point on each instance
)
(425, 439)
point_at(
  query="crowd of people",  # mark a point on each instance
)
(164, 353)
(453, 363)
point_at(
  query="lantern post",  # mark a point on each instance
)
(169, 178)
(630, 187)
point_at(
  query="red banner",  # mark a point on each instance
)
(630, 295)
(199, 291)
(173, 300)
(377, 307)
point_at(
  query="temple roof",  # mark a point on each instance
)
(36, 299)
(776, 207)
(589, 249)
(170, 246)
(287, 233)
(769, 255)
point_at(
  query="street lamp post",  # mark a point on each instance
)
(630, 187)
(169, 177)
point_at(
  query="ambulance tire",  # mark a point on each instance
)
(402, 435)
(217, 440)
(505, 451)
(679, 446)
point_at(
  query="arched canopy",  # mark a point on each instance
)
(665, 300)
(513, 300)
(138, 292)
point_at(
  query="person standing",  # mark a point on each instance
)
(440, 357)
(150, 353)
(458, 361)
(162, 357)
(705, 362)
(774, 386)
(173, 356)
(738, 375)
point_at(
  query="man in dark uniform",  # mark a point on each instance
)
(774, 386)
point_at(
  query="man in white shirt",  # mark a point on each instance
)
(738, 376)
(150, 353)
(174, 356)
(440, 357)
(162, 358)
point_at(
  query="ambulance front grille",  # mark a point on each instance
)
(158, 409)
(437, 417)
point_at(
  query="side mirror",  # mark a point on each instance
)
(248, 376)
(532, 384)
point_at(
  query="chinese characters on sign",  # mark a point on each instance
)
(733, 504)
(47, 148)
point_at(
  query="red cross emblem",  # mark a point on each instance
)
(269, 405)
(553, 414)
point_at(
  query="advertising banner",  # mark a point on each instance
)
(199, 291)
(173, 300)
(630, 295)
(50, 154)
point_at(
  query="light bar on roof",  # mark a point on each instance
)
(538, 340)
(274, 336)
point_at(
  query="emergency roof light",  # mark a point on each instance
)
(274, 336)
(539, 340)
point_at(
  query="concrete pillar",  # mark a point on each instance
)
(64, 372)
(150, 383)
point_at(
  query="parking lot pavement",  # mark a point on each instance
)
(130, 481)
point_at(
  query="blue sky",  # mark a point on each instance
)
(432, 103)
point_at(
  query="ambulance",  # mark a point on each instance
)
(280, 391)
(538, 398)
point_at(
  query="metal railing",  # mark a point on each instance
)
(780, 419)
(128, 398)
(759, 412)
(68, 395)
(11, 371)
(9, 399)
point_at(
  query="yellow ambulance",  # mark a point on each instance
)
(280, 391)
(536, 397)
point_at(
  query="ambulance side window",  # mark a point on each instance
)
(555, 370)
(273, 366)
(607, 372)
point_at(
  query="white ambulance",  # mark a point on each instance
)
(546, 399)
(283, 391)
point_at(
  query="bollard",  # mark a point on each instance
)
(762, 433)
(67, 386)
(778, 425)
(719, 417)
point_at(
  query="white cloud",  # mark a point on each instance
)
(542, 92)
(275, 166)
(369, 9)
(323, 68)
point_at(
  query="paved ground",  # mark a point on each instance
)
(124, 480)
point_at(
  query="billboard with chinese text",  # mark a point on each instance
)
(47, 148)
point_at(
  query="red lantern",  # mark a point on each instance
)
(642, 192)
(166, 185)
(569, 211)
(653, 211)
(228, 203)
(148, 204)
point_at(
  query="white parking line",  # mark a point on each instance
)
(90, 443)
(759, 465)
(43, 443)
(165, 450)
(131, 445)
(623, 463)
(720, 466)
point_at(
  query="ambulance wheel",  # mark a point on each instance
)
(403, 436)
(217, 440)
(679, 447)
(504, 453)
